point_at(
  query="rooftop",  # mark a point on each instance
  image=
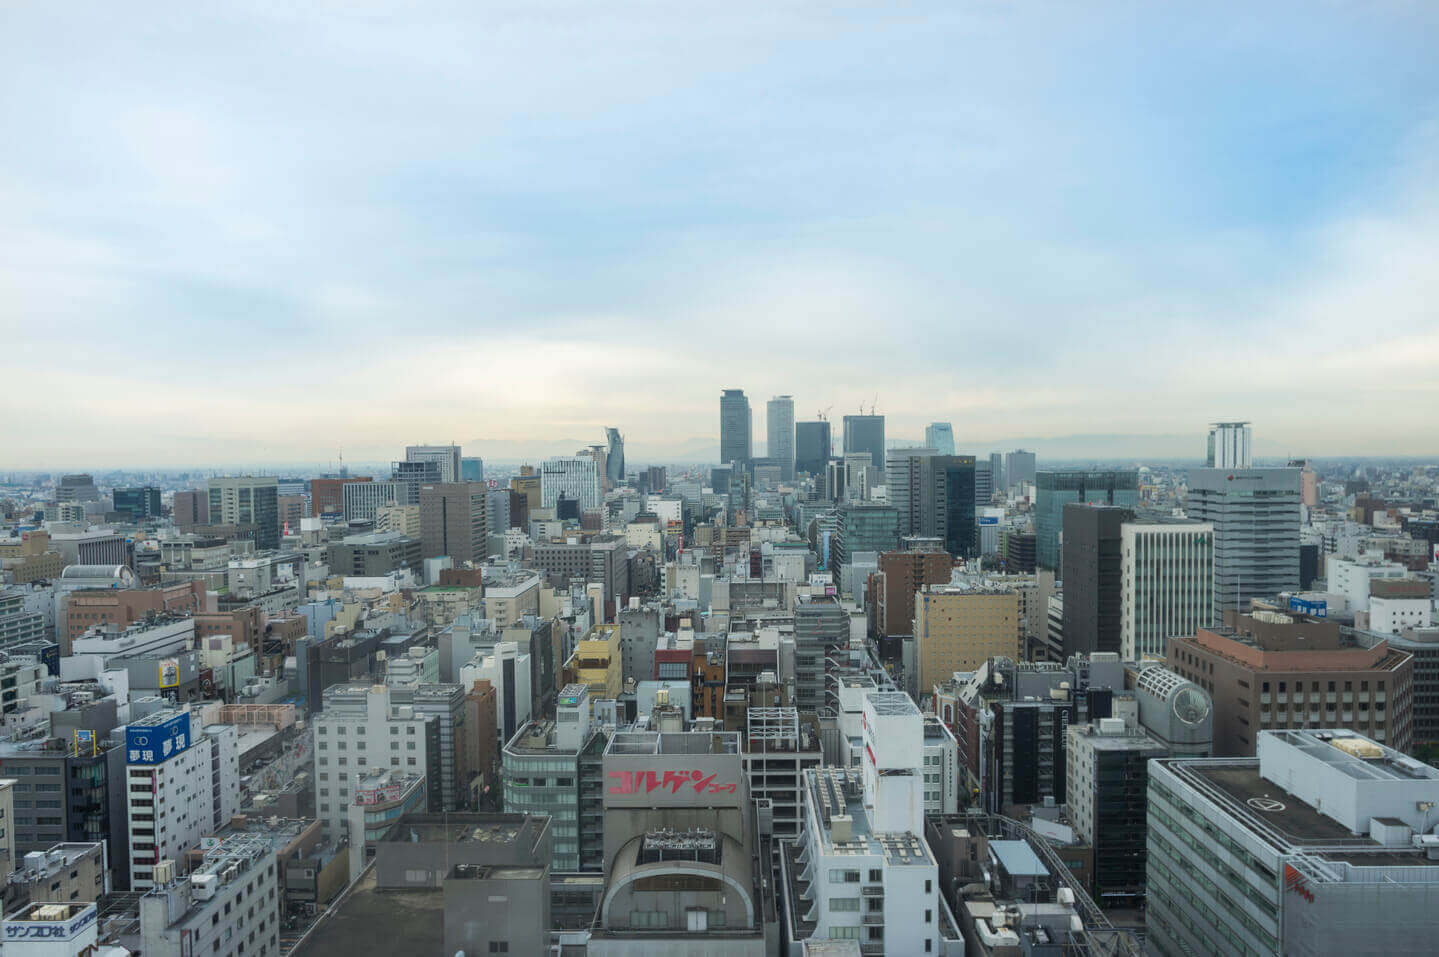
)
(371, 921)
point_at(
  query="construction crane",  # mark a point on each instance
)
(824, 415)
(873, 404)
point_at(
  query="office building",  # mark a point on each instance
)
(1229, 446)
(940, 437)
(1019, 468)
(327, 496)
(472, 469)
(554, 767)
(249, 502)
(375, 555)
(900, 576)
(362, 500)
(573, 478)
(447, 457)
(509, 671)
(181, 784)
(954, 491)
(1166, 584)
(1400, 605)
(1054, 490)
(779, 434)
(865, 528)
(228, 906)
(821, 625)
(983, 482)
(410, 477)
(138, 504)
(905, 482)
(813, 447)
(452, 522)
(996, 471)
(942, 782)
(735, 428)
(1093, 565)
(1255, 515)
(614, 457)
(959, 627)
(779, 743)
(79, 487)
(863, 870)
(1273, 671)
(362, 730)
(1107, 764)
(865, 434)
(1322, 844)
(1354, 577)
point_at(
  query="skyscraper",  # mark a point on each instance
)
(1255, 514)
(735, 428)
(452, 521)
(1018, 467)
(779, 434)
(472, 469)
(940, 437)
(1229, 446)
(1093, 577)
(996, 471)
(248, 500)
(575, 477)
(615, 459)
(1056, 489)
(138, 503)
(408, 476)
(447, 457)
(905, 482)
(865, 433)
(1166, 584)
(954, 504)
(813, 447)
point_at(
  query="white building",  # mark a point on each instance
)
(941, 768)
(228, 907)
(863, 870)
(507, 669)
(447, 457)
(1166, 584)
(575, 477)
(1351, 577)
(358, 731)
(1398, 604)
(138, 641)
(1229, 446)
(364, 499)
(180, 785)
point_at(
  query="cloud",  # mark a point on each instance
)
(351, 224)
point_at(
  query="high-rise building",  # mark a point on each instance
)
(1019, 467)
(363, 499)
(1166, 584)
(576, 478)
(905, 475)
(138, 503)
(983, 481)
(472, 469)
(1229, 446)
(820, 625)
(813, 447)
(615, 457)
(934, 496)
(736, 431)
(957, 628)
(192, 507)
(248, 501)
(1322, 842)
(409, 476)
(452, 521)
(996, 471)
(1093, 563)
(1106, 782)
(865, 433)
(940, 437)
(779, 434)
(900, 575)
(1255, 515)
(1056, 489)
(79, 487)
(447, 457)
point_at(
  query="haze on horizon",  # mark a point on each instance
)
(271, 233)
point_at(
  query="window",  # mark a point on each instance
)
(875, 875)
(929, 917)
(843, 904)
(840, 876)
(927, 888)
(928, 945)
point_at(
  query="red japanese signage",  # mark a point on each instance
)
(643, 782)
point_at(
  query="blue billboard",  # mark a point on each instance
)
(1315, 609)
(156, 743)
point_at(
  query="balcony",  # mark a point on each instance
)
(873, 918)
(872, 891)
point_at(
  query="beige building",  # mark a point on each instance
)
(597, 662)
(404, 519)
(510, 597)
(958, 628)
(29, 557)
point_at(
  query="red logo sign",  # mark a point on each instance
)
(1294, 881)
(643, 782)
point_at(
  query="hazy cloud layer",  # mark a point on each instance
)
(249, 232)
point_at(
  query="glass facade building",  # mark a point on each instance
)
(1056, 489)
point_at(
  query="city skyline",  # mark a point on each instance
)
(1124, 220)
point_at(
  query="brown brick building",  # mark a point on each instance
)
(122, 607)
(483, 742)
(900, 575)
(1271, 671)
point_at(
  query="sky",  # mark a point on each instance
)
(269, 231)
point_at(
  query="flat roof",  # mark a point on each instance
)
(372, 921)
(1018, 858)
